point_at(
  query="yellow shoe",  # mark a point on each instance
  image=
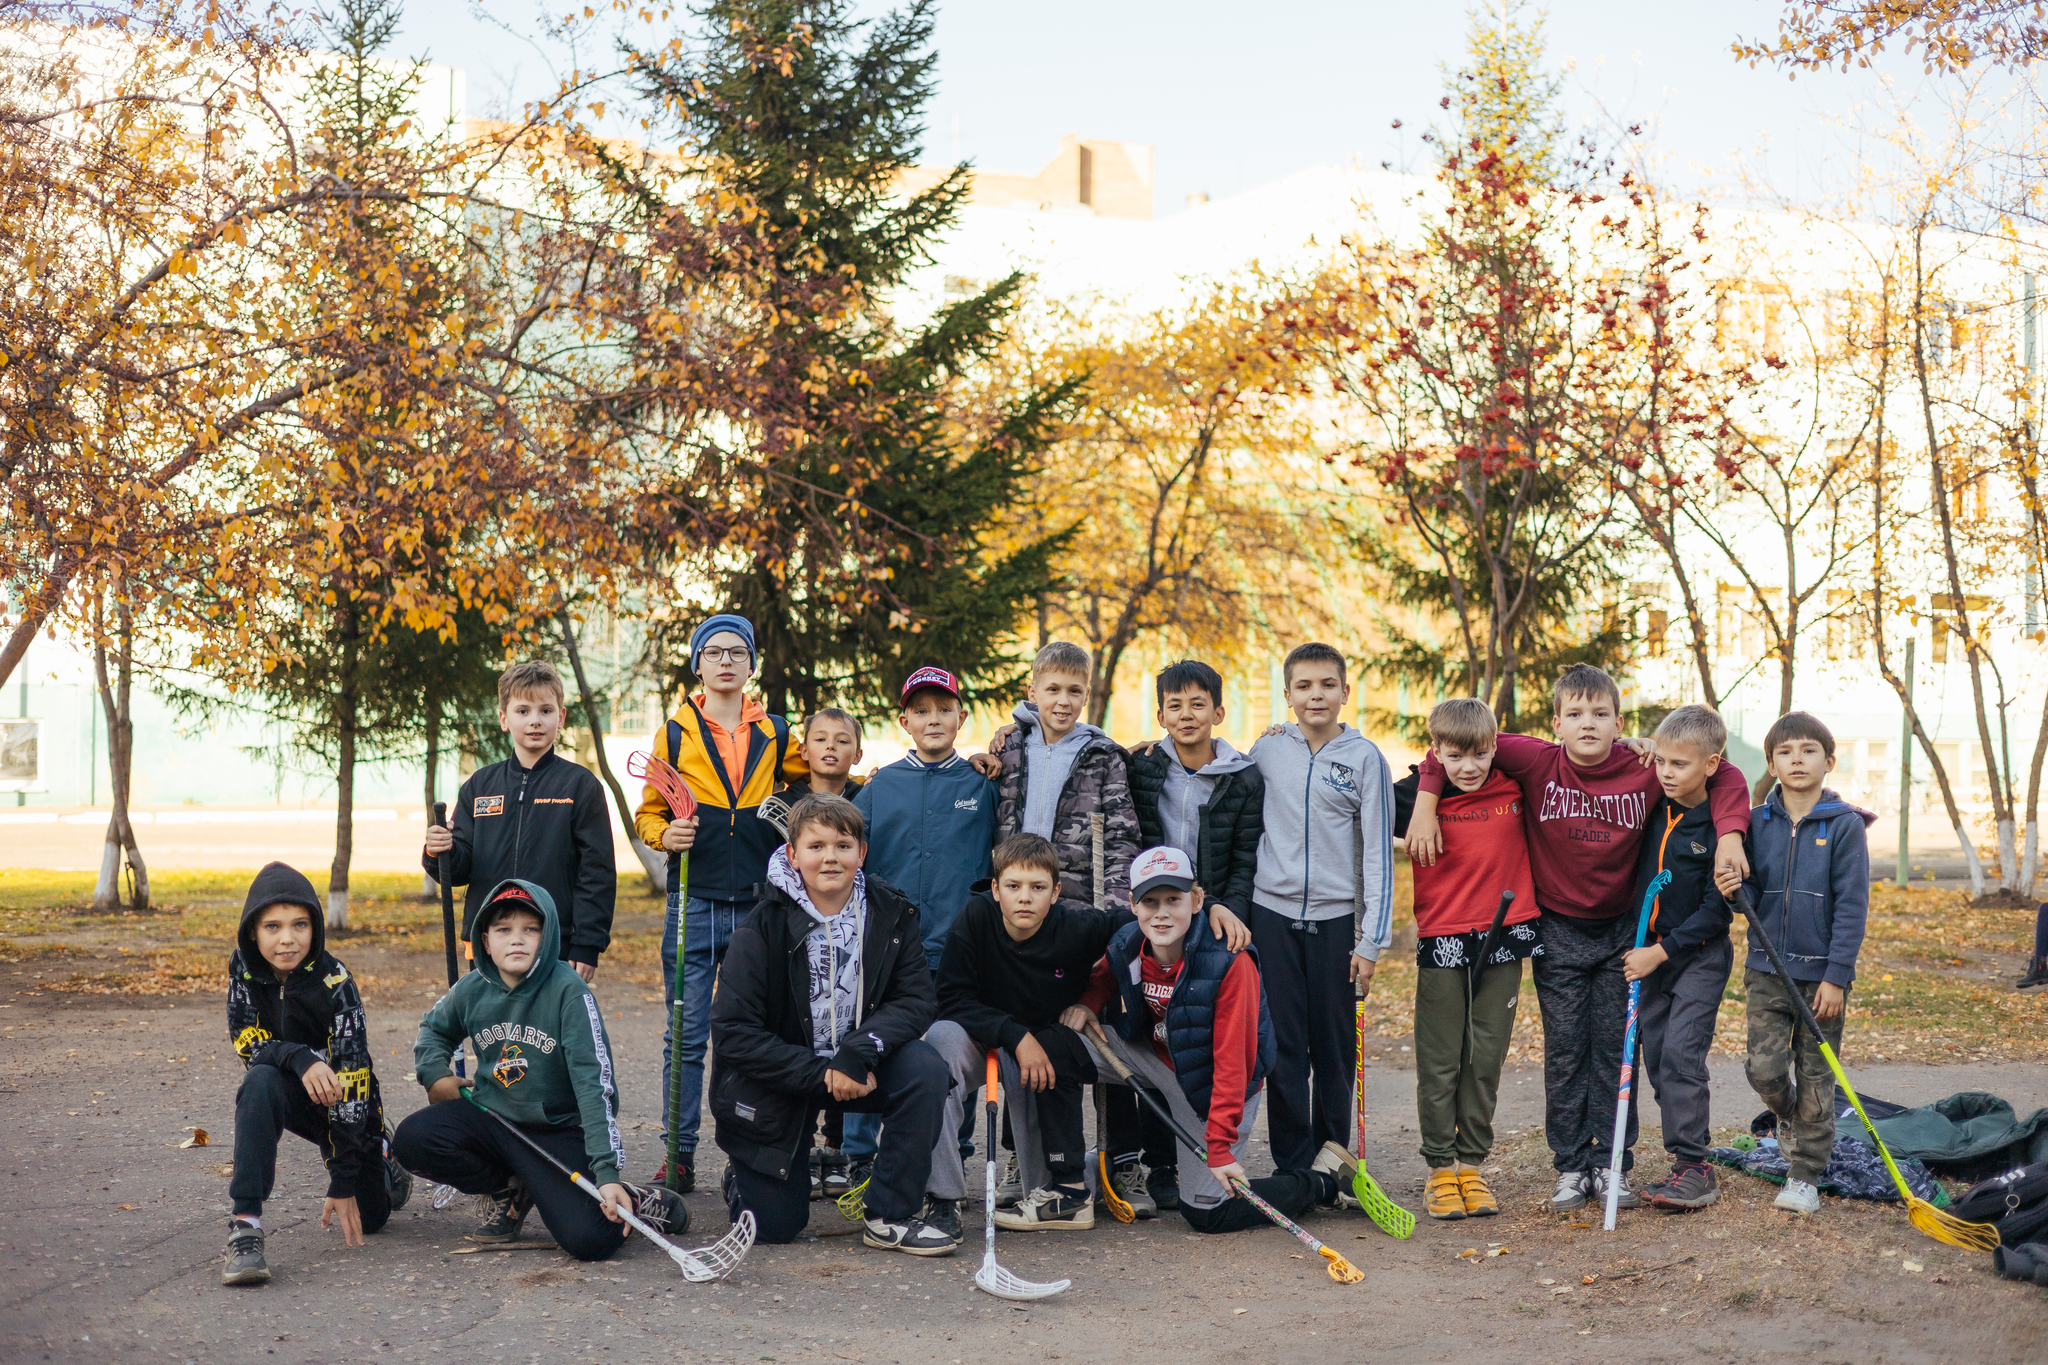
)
(1479, 1200)
(1443, 1197)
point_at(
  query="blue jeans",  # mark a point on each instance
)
(862, 1130)
(710, 931)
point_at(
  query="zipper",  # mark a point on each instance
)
(519, 832)
(1307, 819)
(1791, 863)
(1663, 846)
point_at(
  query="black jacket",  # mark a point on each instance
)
(999, 989)
(765, 1081)
(1689, 913)
(1227, 850)
(545, 824)
(314, 1015)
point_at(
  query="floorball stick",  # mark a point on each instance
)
(1628, 1054)
(992, 1278)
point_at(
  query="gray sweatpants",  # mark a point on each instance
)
(1680, 1001)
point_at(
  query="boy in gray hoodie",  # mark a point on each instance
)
(1322, 900)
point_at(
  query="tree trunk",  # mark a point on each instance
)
(429, 888)
(654, 864)
(344, 786)
(115, 702)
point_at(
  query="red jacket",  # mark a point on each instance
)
(1585, 825)
(1236, 1041)
(1485, 853)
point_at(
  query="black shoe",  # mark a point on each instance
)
(1691, 1185)
(1050, 1208)
(1163, 1184)
(817, 1173)
(661, 1209)
(2036, 977)
(685, 1163)
(397, 1180)
(914, 1236)
(832, 1167)
(243, 1262)
(509, 1207)
(943, 1214)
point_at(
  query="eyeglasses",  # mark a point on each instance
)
(738, 654)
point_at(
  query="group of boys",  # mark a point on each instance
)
(1201, 918)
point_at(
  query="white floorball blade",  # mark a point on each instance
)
(993, 1279)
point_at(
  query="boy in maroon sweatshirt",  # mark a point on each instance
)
(1585, 803)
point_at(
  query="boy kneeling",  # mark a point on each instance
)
(1202, 1009)
(543, 1062)
(822, 1004)
(297, 1022)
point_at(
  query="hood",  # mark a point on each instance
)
(1346, 734)
(1828, 807)
(784, 877)
(1026, 715)
(550, 953)
(280, 884)
(1227, 760)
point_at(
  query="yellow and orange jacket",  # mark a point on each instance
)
(730, 773)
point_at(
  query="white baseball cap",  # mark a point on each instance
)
(1162, 866)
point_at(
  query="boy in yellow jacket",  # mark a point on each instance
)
(733, 755)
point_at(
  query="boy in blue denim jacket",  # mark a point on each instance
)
(1810, 885)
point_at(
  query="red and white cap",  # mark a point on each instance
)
(929, 676)
(1162, 866)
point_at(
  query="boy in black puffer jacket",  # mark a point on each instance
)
(1193, 791)
(822, 1004)
(297, 1023)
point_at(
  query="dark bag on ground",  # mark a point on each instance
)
(2016, 1203)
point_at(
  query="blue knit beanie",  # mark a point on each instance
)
(725, 620)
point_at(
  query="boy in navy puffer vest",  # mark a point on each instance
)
(1167, 982)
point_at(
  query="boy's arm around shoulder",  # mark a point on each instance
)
(597, 874)
(1514, 756)
(1849, 871)
(904, 1009)
(1728, 793)
(741, 1035)
(592, 1075)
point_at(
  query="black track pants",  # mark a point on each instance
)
(1306, 967)
(1291, 1192)
(1584, 999)
(455, 1143)
(272, 1103)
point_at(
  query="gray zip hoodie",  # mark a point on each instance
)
(1185, 793)
(1328, 845)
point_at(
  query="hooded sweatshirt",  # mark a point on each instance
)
(543, 1058)
(1327, 850)
(1088, 786)
(834, 955)
(1810, 883)
(313, 1015)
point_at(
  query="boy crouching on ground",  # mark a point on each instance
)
(544, 1063)
(1686, 956)
(297, 1022)
(822, 1004)
(1191, 1016)
(1465, 1009)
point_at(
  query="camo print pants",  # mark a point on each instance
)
(1786, 1069)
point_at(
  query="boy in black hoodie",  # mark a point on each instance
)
(536, 816)
(1686, 956)
(297, 1023)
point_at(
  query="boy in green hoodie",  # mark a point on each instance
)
(543, 1062)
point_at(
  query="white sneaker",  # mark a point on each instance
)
(1797, 1197)
(1598, 1192)
(1570, 1193)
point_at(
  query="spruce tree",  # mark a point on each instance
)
(868, 542)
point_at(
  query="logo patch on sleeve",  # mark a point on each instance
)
(487, 805)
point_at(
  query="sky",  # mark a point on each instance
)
(1234, 95)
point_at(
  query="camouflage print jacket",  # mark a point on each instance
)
(1096, 794)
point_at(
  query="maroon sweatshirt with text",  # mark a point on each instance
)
(1585, 825)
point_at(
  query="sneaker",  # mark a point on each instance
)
(398, 1181)
(509, 1207)
(2036, 977)
(1050, 1208)
(1598, 1192)
(1341, 1167)
(831, 1173)
(1570, 1192)
(912, 1235)
(943, 1214)
(1011, 1187)
(817, 1176)
(686, 1163)
(1478, 1197)
(243, 1260)
(1163, 1184)
(1797, 1197)
(1128, 1180)
(1442, 1198)
(661, 1208)
(1691, 1185)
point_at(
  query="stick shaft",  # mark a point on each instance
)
(675, 1026)
(447, 899)
(1628, 1055)
(580, 1181)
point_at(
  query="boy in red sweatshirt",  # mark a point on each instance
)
(1585, 803)
(1465, 1009)
(1167, 981)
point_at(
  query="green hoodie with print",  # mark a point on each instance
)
(543, 1058)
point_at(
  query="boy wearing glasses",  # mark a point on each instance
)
(733, 755)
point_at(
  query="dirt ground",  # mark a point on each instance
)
(113, 1233)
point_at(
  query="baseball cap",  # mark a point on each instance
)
(1162, 866)
(929, 676)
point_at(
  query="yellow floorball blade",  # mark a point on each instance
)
(1119, 1207)
(1341, 1270)
(1943, 1226)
